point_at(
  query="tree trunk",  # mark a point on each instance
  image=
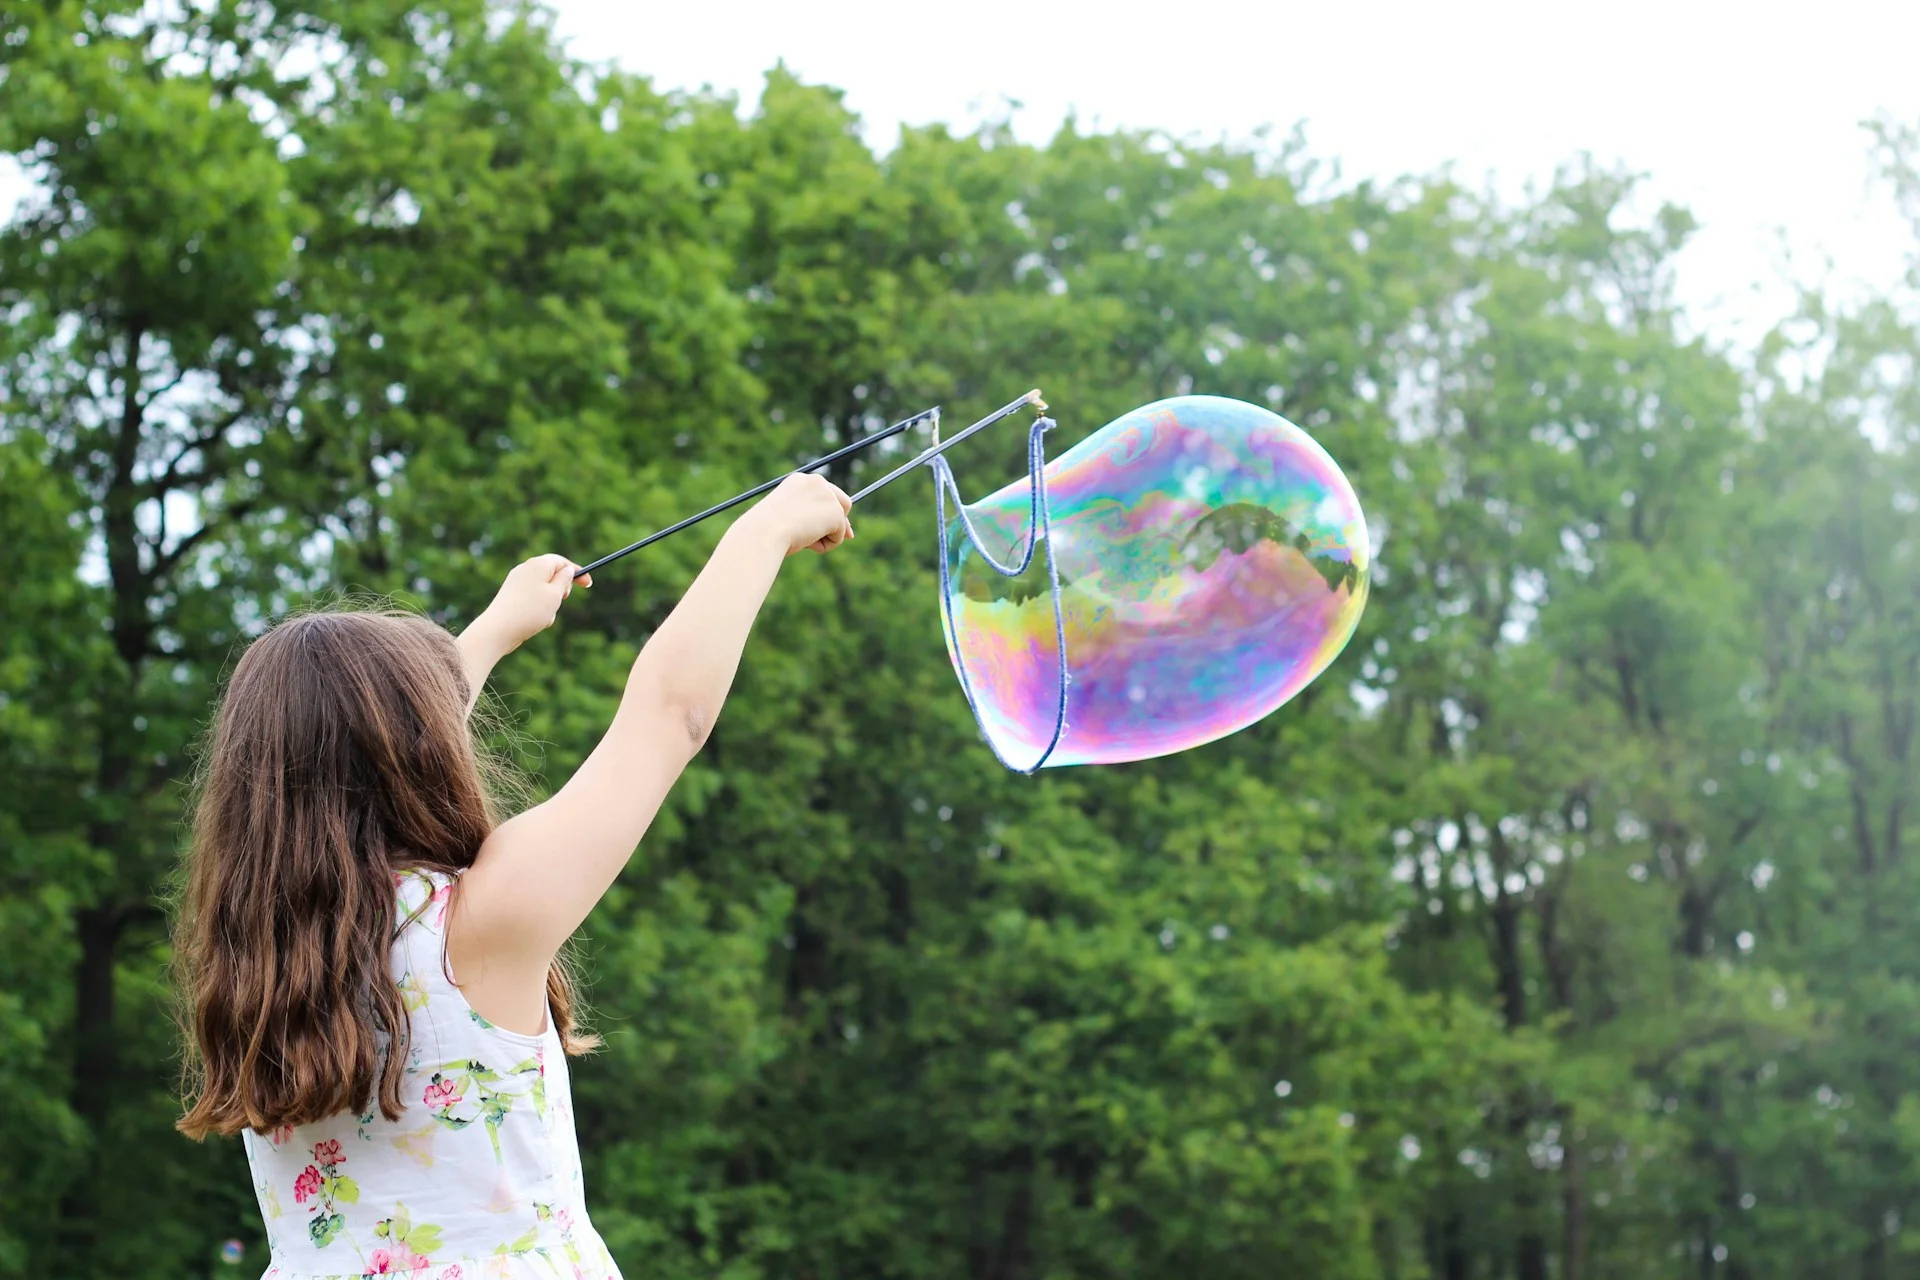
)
(1446, 1251)
(98, 926)
(1530, 1248)
(1873, 1258)
(95, 1068)
(1012, 1255)
(1530, 1258)
(1456, 1262)
(1573, 1209)
(1507, 960)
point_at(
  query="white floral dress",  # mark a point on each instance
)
(479, 1179)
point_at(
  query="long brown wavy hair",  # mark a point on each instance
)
(339, 758)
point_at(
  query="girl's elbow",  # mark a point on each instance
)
(696, 722)
(673, 717)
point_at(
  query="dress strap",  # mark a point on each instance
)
(423, 898)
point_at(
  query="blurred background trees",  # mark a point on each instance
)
(1565, 928)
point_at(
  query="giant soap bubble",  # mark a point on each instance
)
(1210, 560)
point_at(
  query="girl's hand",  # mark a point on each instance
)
(529, 600)
(805, 512)
(524, 606)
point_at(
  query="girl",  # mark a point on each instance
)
(376, 998)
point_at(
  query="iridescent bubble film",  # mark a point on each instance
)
(1212, 560)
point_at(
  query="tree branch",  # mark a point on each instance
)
(165, 564)
(168, 479)
(156, 393)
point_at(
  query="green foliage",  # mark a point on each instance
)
(1563, 929)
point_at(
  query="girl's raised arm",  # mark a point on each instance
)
(540, 873)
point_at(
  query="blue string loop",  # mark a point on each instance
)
(1038, 529)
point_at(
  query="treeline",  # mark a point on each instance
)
(1568, 927)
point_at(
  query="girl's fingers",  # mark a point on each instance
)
(560, 568)
(833, 540)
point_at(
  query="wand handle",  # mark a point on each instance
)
(925, 456)
(738, 498)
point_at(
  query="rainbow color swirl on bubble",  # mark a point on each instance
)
(1212, 561)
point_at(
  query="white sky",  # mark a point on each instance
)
(1748, 113)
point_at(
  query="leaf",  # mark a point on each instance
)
(325, 1229)
(521, 1243)
(422, 1239)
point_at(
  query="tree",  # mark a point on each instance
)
(1559, 930)
(236, 251)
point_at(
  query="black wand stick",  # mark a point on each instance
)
(927, 415)
(935, 450)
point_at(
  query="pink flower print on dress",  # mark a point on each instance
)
(442, 1094)
(327, 1153)
(397, 1261)
(307, 1185)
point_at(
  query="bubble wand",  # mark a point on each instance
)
(939, 446)
(933, 451)
(1205, 560)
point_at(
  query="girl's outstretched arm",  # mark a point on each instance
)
(540, 873)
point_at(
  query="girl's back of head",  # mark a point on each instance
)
(339, 756)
